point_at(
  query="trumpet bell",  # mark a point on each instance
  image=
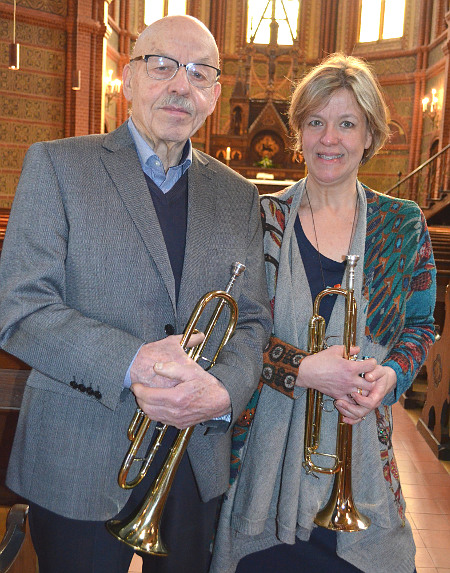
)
(342, 516)
(341, 513)
(141, 529)
(141, 533)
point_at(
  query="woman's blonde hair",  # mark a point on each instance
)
(339, 71)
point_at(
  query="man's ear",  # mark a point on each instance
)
(216, 93)
(126, 79)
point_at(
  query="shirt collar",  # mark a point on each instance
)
(145, 151)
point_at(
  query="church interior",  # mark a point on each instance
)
(60, 76)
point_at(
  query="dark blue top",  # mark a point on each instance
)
(333, 271)
(171, 208)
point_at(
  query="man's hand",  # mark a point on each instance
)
(165, 350)
(195, 396)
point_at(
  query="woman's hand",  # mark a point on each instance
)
(354, 396)
(330, 373)
(384, 380)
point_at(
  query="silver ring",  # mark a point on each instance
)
(363, 417)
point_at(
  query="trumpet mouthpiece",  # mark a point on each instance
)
(352, 260)
(238, 268)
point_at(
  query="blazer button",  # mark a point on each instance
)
(97, 394)
(169, 329)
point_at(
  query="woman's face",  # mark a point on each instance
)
(334, 139)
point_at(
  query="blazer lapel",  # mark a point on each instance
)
(121, 161)
(202, 213)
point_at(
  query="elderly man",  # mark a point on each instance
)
(112, 239)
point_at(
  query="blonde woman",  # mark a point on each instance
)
(267, 519)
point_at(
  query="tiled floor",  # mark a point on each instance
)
(426, 487)
(135, 566)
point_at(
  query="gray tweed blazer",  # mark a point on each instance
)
(85, 280)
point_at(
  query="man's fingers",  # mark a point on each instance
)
(195, 339)
(176, 371)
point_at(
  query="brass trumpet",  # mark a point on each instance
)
(340, 513)
(141, 529)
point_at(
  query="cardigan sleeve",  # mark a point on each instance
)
(410, 351)
(281, 362)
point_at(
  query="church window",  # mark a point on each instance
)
(156, 9)
(262, 14)
(381, 20)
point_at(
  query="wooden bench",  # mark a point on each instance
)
(13, 509)
(433, 423)
(14, 536)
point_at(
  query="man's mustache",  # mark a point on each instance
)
(177, 101)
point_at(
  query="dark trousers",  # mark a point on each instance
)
(317, 555)
(71, 546)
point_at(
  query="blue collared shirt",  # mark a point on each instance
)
(152, 164)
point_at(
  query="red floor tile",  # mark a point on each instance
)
(430, 506)
(423, 558)
(440, 556)
(430, 521)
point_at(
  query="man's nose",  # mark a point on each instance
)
(180, 83)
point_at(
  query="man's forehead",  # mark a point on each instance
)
(178, 41)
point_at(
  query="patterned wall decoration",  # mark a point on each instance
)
(58, 7)
(386, 67)
(230, 68)
(435, 54)
(400, 99)
(31, 98)
(375, 174)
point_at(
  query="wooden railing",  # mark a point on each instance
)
(428, 182)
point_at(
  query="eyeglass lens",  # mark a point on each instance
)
(163, 68)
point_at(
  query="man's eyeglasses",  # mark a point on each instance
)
(165, 68)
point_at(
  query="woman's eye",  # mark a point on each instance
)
(315, 122)
(347, 124)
